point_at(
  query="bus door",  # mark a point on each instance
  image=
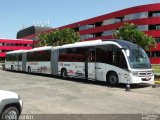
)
(18, 62)
(91, 64)
(24, 62)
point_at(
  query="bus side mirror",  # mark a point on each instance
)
(127, 53)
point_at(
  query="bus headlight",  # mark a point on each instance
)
(135, 74)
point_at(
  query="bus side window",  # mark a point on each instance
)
(20, 57)
(119, 60)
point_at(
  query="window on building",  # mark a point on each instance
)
(108, 32)
(82, 37)
(29, 45)
(143, 27)
(148, 53)
(24, 44)
(154, 14)
(108, 21)
(136, 16)
(157, 39)
(85, 27)
(154, 27)
(98, 24)
(155, 54)
(18, 44)
(76, 29)
(119, 19)
(99, 34)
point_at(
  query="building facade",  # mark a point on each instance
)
(146, 17)
(7, 45)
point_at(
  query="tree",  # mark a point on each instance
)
(130, 33)
(58, 37)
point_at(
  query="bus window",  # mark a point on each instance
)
(104, 54)
(20, 57)
(11, 57)
(119, 59)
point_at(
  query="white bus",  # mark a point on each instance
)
(112, 61)
(13, 60)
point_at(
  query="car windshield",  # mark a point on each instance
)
(138, 58)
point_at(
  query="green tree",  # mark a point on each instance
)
(58, 37)
(130, 33)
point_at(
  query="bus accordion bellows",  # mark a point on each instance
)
(112, 61)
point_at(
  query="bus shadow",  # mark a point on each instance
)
(84, 81)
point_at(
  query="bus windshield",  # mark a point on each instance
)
(138, 59)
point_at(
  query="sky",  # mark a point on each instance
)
(15, 14)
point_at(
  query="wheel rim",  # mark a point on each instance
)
(12, 68)
(12, 115)
(113, 79)
(64, 74)
(29, 70)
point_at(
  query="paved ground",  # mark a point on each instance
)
(49, 95)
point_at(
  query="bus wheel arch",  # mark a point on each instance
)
(112, 78)
(64, 73)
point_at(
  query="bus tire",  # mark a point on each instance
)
(12, 68)
(112, 79)
(29, 69)
(64, 73)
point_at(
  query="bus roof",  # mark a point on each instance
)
(40, 48)
(118, 42)
(84, 43)
(16, 51)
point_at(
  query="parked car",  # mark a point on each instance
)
(10, 105)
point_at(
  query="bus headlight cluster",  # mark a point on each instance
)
(135, 74)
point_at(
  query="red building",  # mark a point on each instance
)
(13, 44)
(146, 17)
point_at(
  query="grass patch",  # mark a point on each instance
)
(156, 68)
(157, 82)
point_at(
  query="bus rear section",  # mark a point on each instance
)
(14, 60)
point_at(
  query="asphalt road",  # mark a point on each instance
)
(52, 95)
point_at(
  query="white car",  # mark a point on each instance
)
(10, 105)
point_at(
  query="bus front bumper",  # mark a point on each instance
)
(141, 79)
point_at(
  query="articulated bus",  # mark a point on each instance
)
(112, 61)
(13, 60)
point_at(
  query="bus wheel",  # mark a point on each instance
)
(29, 69)
(12, 68)
(64, 73)
(113, 79)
